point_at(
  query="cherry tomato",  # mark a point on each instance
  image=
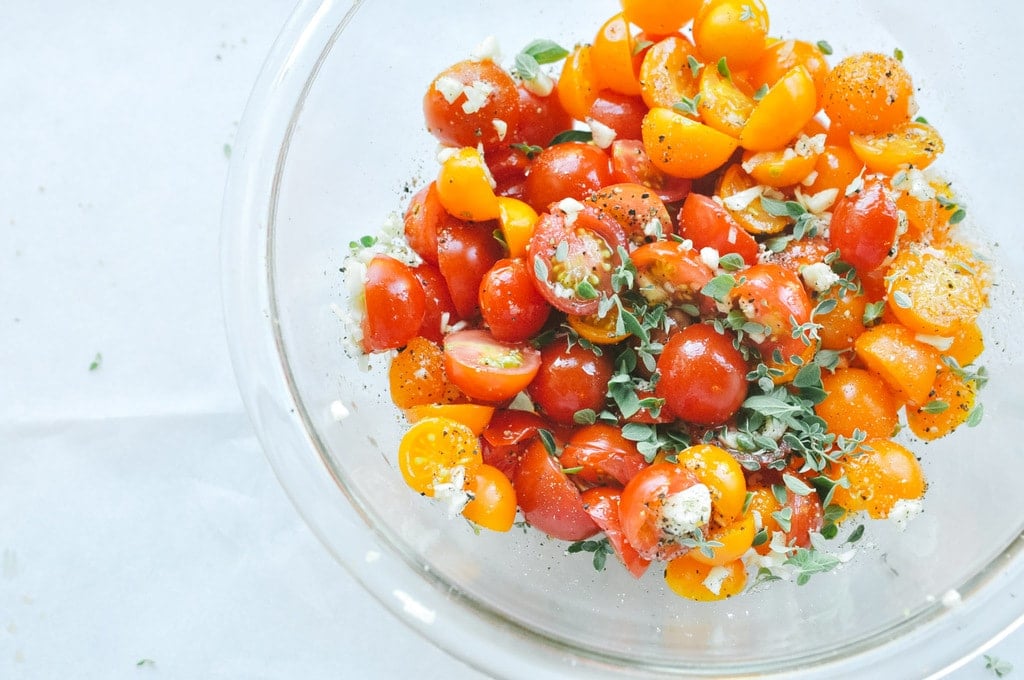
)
(723, 105)
(494, 499)
(508, 168)
(622, 113)
(570, 379)
(432, 449)
(517, 221)
(956, 393)
(863, 227)
(836, 169)
(640, 509)
(416, 375)
(510, 304)
(549, 500)
(566, 170)
(640, 213)
(395, 304)
(487, 369)
(907, 365)
(751, 215)
(540, 118)
(858, 399)
(736, 538)
(841, 326)
(573, 258)
(781, 56)
(474, 416)
(578, 84)
(632, 165)
(910, 144)
(709, 225)
(602, 504)
(944, 291)
(665, 75)
(719, 471)
(806, 516)
(423, 217)
(506, 436)
(869, 93)
(600, 330)
(773, 296)
(465, 253)
(465, 99)
(464, 186)
(672, 273)
(733, 29)
(438, 302)
(880, 477)
(659, 17)
(693, 580)
(615, 58)
(682, 147)
(605, 456)
(703, 377)
(782, 113)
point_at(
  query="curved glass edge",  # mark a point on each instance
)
(290, 448)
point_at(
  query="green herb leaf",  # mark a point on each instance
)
(97, 361)
(548, 439)
(526, 66)
(898, 54)
(585, 416)
(545, 51)
(824, 47)
(719, 287)
(797, 485)
(856, 534)
(695, 66)
(572, 136)
(761, 92)
(935, 406)
(809, 561)
(723, 69)
(529, 150)
(641, 45)
(687, 105)
(573, 470)
(586, 291)
(997, 665)
(785, 518)
(902, 300)
(873, 312)
(731, 262)
(921, 119)
(975, 416)
(540, 268)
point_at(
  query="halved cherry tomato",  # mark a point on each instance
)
(517, 220)
(616, 61)
(464, 186)
(723, 105)
(910, 144)
(493, 505)
(665, 74)
(782, 113)
(578, 84)
(510, 304)
(703, 376)
(841, 326)
(936, 291)
(570, 379)
(879, 477)
(837, 167)
(907, 365)
(863, 227)
(659, 17)
(780, 168)
(600, 330)
(432, 449)
(487, 369)
(719, 471)
(709, 225)
(505, 438)
(860, 400)
(631, 164)
(640, 509)
(465, 253)
(474, 416)
(968, 344)
(395, 304)
(683, 147)
(423, 217)
(465, 99)
(671, 272)
(621, 112)
(549, 500)
(750, 214)
(949, 404)
(416, 375)
(733, 29)
(566, 170)
(640, 213)
(694, 580)
(781, 56)
(573, 256)
(437, 302)
(602, 504)
(605, 457)
(736, 539)
(774, 296)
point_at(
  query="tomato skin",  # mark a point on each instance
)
(622, 113)
(487, 369)
(452, 125)
(640, 509)
(607, 458)
(423, 217)
(670, 272)
(494, 499)
(465, 253)
(549, 501)
(570, 379)
(395, 304)
(709, 225)
(438, 302)
(592, 239)
(703, 377)
(807, 516)
(540, 118)
(506, 436)
(432, 449)
(602, 504)
(508, 168)
(863, 226)
(773, 295)
(566, 170)
(858, 400)
(631, 164)
(510, 304)
(634, 207)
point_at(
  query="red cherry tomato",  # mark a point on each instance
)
(438, 302)
(620, 112)
(863, 227)
(481, 92)
(423, 217)
(395, 304)
(567, 170)
(703, 377)
(487, 369)
(570, 379)
(605, 457)
(709, 225)
(465, 252)
(640, 509)
(509, 302)
(508, 167)
(635, 207)
(602, 504)
(506, 436)
(774, 296)
(673, 273)
(574, 256)
(807, 516)
(630, 163)
(549, 500)
(540, 118)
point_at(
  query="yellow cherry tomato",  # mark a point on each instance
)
(733, 29)
(783, 112)
(702, 582)
(474, 416)
(464, 186)
(665, 74)
(577, 87)
(660, 17)
(613, 57)
(880, 477)
(682, 147)
(736, 539)
(598, 330)
(948, 407)
(723, 105)
(868, 93)
(719, 471)
(779, 168)
(494, 500)
(517, 220)
(908, 144)
(432, 449)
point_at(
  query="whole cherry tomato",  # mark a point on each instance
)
(605, 457)
(703, 377)
(709, 225)
(510, 304)
(395, 304)
(464, 101)
(570, 379)
(863, 227)
(465, 253)
(437, 302)
(566, 170)
(622, 113)
(540, 119)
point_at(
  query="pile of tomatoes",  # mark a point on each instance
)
(683, 295)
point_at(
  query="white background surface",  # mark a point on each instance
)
(138, 518)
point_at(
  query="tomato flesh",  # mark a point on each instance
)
(487, 369)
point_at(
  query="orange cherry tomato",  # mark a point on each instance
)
(836, 168)
(614, 58)
(880, 477)
(474, 416)
(780, 168)
(841, 326)
(869, 93)
(431, 450)
(698, 581)
(858, 399)
(660, 17)
(416, 375)
(493, 505)
(736, 539)
(968, 344)
(781, 56)
(783, 112)
(935, 292)
(733, 29)
(464, 186)
(909, 144)
(723, 105)
(948, 407)
(577, 86)
(751, 215)
(719, 471)
(907, 365)
(665, 74)
(683, 147)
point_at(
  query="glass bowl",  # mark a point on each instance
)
(333, 141)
